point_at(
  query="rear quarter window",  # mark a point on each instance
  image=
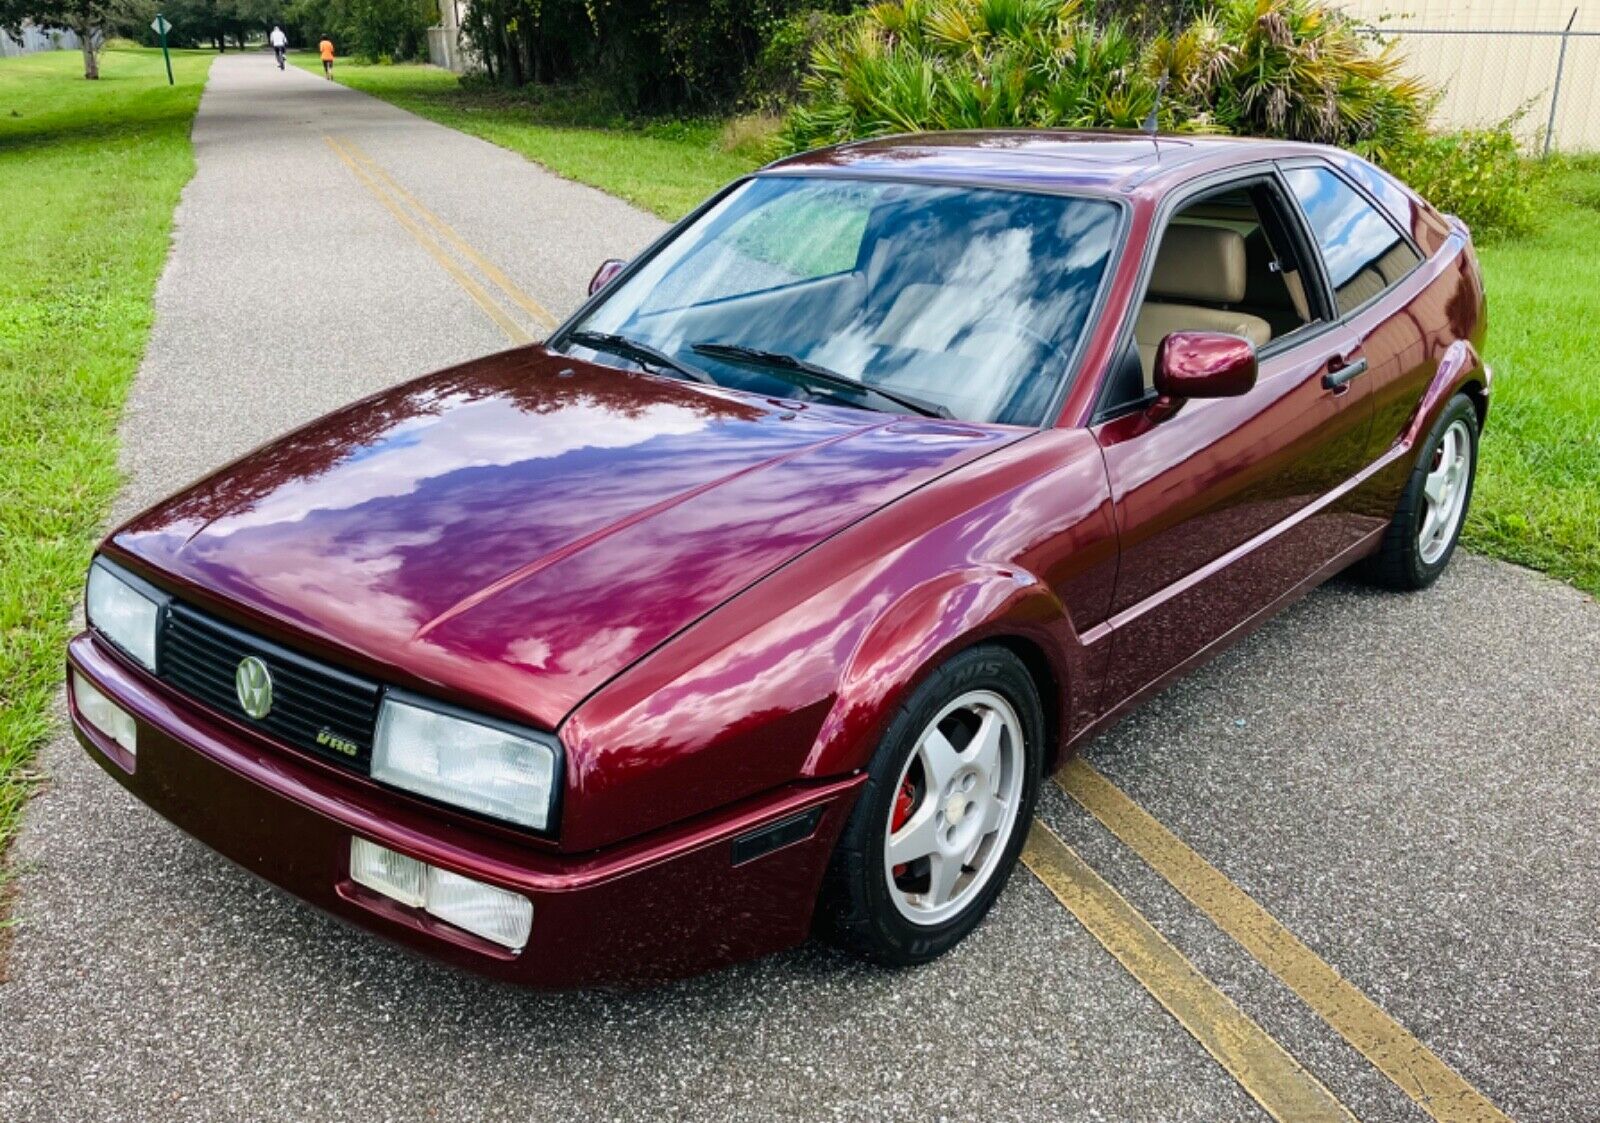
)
(1408, 209)
(1365, 254)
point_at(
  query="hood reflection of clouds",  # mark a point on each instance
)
(389, 468)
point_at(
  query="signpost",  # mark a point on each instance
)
(160, 25)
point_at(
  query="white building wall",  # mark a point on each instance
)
(33, 39)
(1487, 78)
(445, 47)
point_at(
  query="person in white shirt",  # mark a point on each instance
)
(280, 43)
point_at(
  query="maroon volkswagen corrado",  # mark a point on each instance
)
(761, 595)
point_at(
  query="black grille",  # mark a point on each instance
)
(314, 707)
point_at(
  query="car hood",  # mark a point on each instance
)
(521, 528)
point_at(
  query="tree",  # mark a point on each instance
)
(198, 22)
(89, 19)
(374, 29)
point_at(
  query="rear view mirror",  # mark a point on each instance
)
(1201, 364)
(603, 275)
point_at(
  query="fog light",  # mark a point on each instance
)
(505, 918)
(105, 715)
(393, 875)
(494, 914)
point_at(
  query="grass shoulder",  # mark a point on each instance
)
(1538, 495)
(90, 173)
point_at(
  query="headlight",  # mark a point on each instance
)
(470, 763)
(123, 612)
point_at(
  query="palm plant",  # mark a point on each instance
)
(1097, 79)
(1301, 70)
(1287, 68)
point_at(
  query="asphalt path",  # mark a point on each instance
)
(1407, 783)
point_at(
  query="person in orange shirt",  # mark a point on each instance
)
(326, 49)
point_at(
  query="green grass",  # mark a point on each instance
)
(666, 167)
(1538, 493)
(89, 175)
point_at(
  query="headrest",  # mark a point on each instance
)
(1205, 263)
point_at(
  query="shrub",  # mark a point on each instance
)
(1287, 68)
(397, 28)
(1290, 68)
(1480, 175)
(906, 65)
(773, 82)
(1575, 178)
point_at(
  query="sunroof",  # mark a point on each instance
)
(1103, 148)
(1119, 150)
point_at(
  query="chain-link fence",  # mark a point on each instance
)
(1551, 77)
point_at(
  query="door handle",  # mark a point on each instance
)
(1338, 377)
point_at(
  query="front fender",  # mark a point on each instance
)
(789, 681)
(929, 623)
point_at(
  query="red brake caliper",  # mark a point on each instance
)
(905, 801)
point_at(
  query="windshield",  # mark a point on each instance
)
(966, 300)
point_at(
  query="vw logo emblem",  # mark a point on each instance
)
(253, 684)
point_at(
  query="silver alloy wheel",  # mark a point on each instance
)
(1444, 492)
(966, 774)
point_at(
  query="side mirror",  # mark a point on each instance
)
(1201, 364)
(603, 275)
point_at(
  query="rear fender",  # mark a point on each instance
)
(1460, 370)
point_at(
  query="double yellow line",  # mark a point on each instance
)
(1264, 1068)
(1279, 1083)
(434, 235)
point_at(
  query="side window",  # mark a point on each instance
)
(799, 235)
(1225, 263)
(1363, 251)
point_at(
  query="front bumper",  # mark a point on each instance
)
(668, 905)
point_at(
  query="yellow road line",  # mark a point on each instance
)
(1435, 1086)
(473, 289)
(487, 267)
(1274, 1079)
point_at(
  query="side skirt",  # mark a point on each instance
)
(1346, 558)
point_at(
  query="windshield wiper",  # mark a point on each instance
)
(641, 353)
(780, 361)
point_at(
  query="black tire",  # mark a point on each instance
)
(1399, 562)
(855, 910)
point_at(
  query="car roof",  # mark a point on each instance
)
(1102, 161)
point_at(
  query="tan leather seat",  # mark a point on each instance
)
(1195, 263)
